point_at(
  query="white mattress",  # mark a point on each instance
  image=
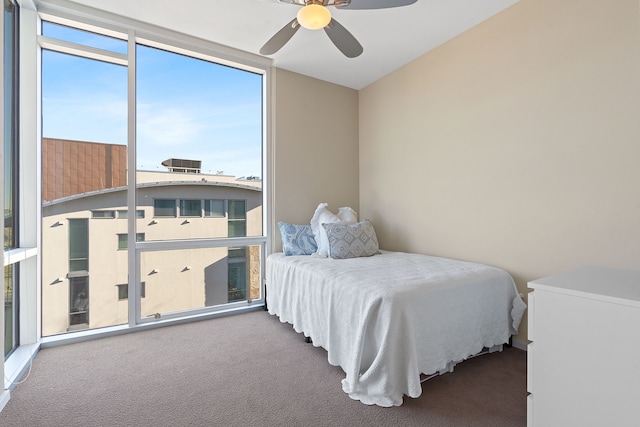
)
(388, 318)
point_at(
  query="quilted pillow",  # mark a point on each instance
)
(322, 215)
(297, 239)
(351, 240)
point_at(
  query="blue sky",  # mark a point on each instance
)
(186, 107)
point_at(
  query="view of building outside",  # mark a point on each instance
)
(85, 238)
(199, 158)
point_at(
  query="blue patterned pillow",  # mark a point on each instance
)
(297, 239)
(352, 240)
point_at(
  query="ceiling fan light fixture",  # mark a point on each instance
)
(314, 16)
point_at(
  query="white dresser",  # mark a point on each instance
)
(583, 364)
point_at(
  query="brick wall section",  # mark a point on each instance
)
(75, 167)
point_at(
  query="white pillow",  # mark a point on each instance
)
(347, 215)
(322, 215)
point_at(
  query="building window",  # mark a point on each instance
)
(237, 281)
(10, 305)
(164, 207)
(237, 218)
(78, 245)
(214, 208)
(124, 214)
(190, 207)
(235, 254)
(237, 273)
(123, 291)
(123, 241)
(79, 301)
(103, 214)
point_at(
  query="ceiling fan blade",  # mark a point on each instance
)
(280, 38)
(343, 39)
(370, 4)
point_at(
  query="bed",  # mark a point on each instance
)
(387, 319)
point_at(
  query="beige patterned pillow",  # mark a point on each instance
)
(351, 240)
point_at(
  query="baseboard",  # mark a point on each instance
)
(519, 345)
(4, 399)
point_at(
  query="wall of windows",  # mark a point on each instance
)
(69, 196)
(133, 121)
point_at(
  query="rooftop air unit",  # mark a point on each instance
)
(183, 165)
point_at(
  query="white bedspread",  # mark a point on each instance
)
(388, 318)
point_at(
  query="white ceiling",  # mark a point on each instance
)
(391, 37)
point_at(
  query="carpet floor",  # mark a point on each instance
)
(244, 370)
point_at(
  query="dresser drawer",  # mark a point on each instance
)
(530, 422)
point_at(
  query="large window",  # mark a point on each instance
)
(199, 142)
(180, 142)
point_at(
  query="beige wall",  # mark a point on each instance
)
(315, 148)
(516, 144)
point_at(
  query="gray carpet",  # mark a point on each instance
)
(244, 370)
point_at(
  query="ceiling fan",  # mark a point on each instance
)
(315, 15)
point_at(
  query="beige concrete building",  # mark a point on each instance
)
(84, 246)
